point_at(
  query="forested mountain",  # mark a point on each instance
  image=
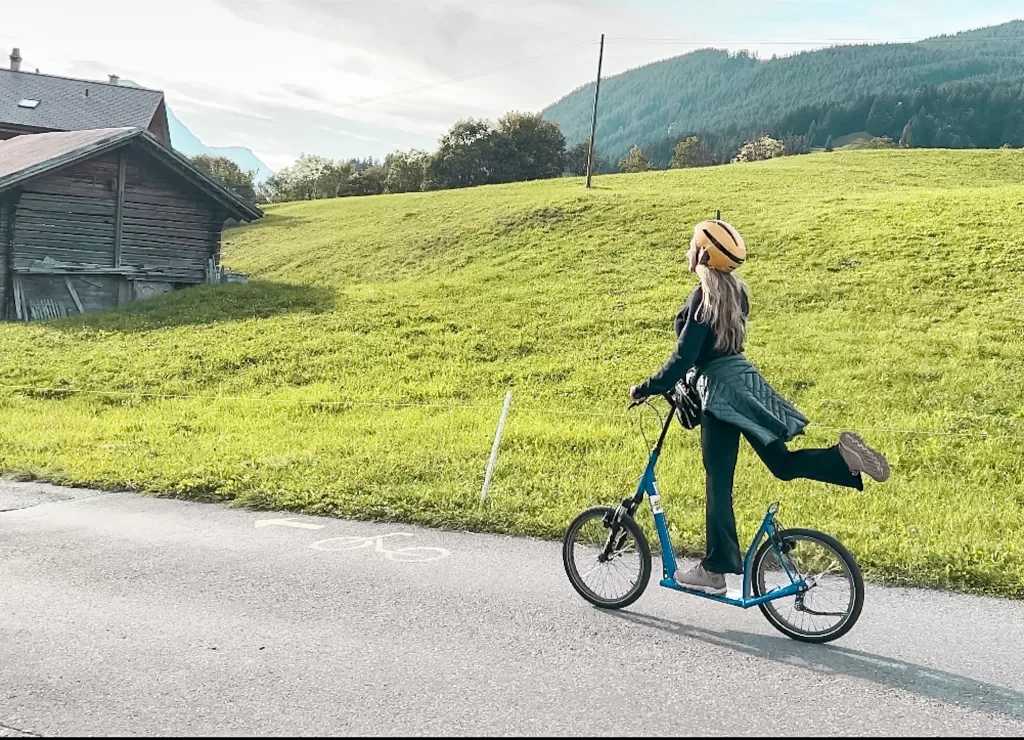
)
(965, 90)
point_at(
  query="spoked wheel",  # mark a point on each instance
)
(831, 605)
(608, 577)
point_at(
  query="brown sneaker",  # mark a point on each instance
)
(701, 579)
(862, 459)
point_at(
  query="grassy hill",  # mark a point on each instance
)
(887, 293)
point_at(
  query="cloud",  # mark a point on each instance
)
(302, 91)
(286, 76)
(267, 127)
(446, 37)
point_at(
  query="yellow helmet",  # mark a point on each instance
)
(719, 246)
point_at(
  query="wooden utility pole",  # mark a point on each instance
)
(593, 123)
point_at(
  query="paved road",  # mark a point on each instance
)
(128, 615)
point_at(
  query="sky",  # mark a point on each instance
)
(357, 78)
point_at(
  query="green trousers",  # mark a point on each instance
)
(720, 444)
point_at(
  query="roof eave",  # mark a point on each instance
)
(89, 150)
(236, 205)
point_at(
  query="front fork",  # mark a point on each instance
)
(616, 534)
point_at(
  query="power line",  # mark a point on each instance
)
(554, 411)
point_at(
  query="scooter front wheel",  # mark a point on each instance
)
(608, 563)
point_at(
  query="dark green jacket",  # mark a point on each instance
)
(732, 390)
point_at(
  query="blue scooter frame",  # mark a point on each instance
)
(648, 487)
(618, 525)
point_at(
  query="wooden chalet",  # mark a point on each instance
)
(32, 103)
(92, 219)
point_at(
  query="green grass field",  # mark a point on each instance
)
(887, 298)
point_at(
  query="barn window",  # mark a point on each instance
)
(28, 103)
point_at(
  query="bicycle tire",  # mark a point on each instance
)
(771, 614)
(643, 549)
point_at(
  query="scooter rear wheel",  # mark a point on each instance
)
(830, 607)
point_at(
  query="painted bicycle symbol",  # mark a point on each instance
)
(401, 555)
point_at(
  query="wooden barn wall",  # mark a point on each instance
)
(3, 257)
(69, 215)
(168, 224)
(94, 292)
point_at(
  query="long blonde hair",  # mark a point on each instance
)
(722, 308)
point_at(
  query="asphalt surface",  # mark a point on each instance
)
(126, 615)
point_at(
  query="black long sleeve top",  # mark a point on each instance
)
(695, 348)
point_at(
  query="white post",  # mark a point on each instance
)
(494, 450)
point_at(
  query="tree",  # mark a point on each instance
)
(907, 140)
(576, 159)
(526, 147)
(796, 144)
(406, 171)
(829, 146)
(689, 152)
(635, 161)
(880, 117)
(761, 149)
(463, 157)
(229, 173)
(310, 178)
(881, 142)
(367, 181)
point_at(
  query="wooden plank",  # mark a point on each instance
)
(58, 204)
(70, 189)
(68, 256)
(164, 215)
(124, 292)
(171, 247)
(74, 253)
(47, 234)
(17, 299)
(216, 233)
(170, 228)
(153, 197)
(148, 205)
(119, 209)
(7, 240)
(68, 201)
(177, 255)
(71, 219)
(67, 230)
(35, 240)
(196, 229)
(179, 208)
(74, 295)
(168, 244)
(46, 309)
(153, 273)
(134, 259)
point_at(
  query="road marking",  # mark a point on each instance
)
(401, 555)
(260, 523)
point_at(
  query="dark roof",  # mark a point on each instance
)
(27, 157)
(67, 104)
